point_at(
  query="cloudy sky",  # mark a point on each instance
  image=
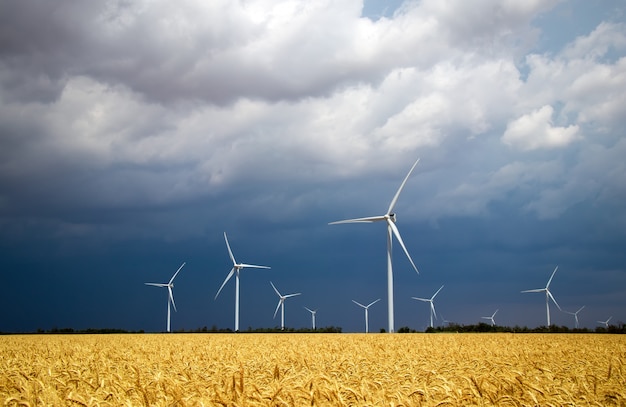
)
(134, 134)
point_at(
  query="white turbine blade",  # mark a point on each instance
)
(169, 288)
(432, 307)
(486, 317)
(536, 290)
(553, 300)
(494, 314)
(156, 284)
(359, 304)
(277, 293)
(230, 252)
(277, 307)
(310, 310)
(368, 219)
(607, 321)
(253, 266)
(580, 309)
(175, 274)
(230, 274)
(433, 297)
(372, 303)
(291, 295)
(421, 299)
(395, 198)
(397, 233)
(550, 280)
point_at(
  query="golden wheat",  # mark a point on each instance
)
(313, 369)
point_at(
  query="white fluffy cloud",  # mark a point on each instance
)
(162, 101)
(535, 130)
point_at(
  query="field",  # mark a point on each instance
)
(313, 369)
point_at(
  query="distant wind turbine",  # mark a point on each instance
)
(432, 305)
(313, 312)
(170, 297)
(548, 295)
(491, 318)
(366, 307)
(281, 305)
(575, 314)
(392, 229)
(606, 323)
(235, 270)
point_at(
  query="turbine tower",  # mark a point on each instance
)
(432, 305)
(548, 295)
(313, 312)
(366, 307)
(575, 314)
(281, 305)
(606, 323)
(491, 318)
(170, 297)
(237, 267)
(392, 230)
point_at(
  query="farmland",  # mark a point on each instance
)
(313, 369)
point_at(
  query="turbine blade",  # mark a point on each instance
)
(274, 287)
(359, 304)
(550, 280)
(277, 306)
(580, 309)
(230, 252)
(397, 233)
(228, 277)
(254, 266)
(536, 290)
(177, 271)
(291, 295)
(433, 297)
(553, 300)
(395, 198)
(421, 299)
(494, 314)
(372, 303)
(156, 284)
(310, 310)
(432, 307)
(368, 219)
(169, 288)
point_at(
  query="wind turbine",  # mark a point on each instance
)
(548, 295)
(235, 270)
(432, 305)
(606, 323)
(170, 298)
(493, 322)
(313, 312)
(366, 307)
(281, 305)
(392, 229)
(575, 314)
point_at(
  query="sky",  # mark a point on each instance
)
(134, 134)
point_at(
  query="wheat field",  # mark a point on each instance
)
(313, 370)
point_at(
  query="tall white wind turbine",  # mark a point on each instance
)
(575, 314)
(313, 312)
(170, 297)
(432, 305)
(281, 305)
(366, 307)
(392, 229)
(606, 323)
(548, 295)
(491, 318)
(237, 267)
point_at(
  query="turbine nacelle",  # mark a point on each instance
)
(391, 217)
